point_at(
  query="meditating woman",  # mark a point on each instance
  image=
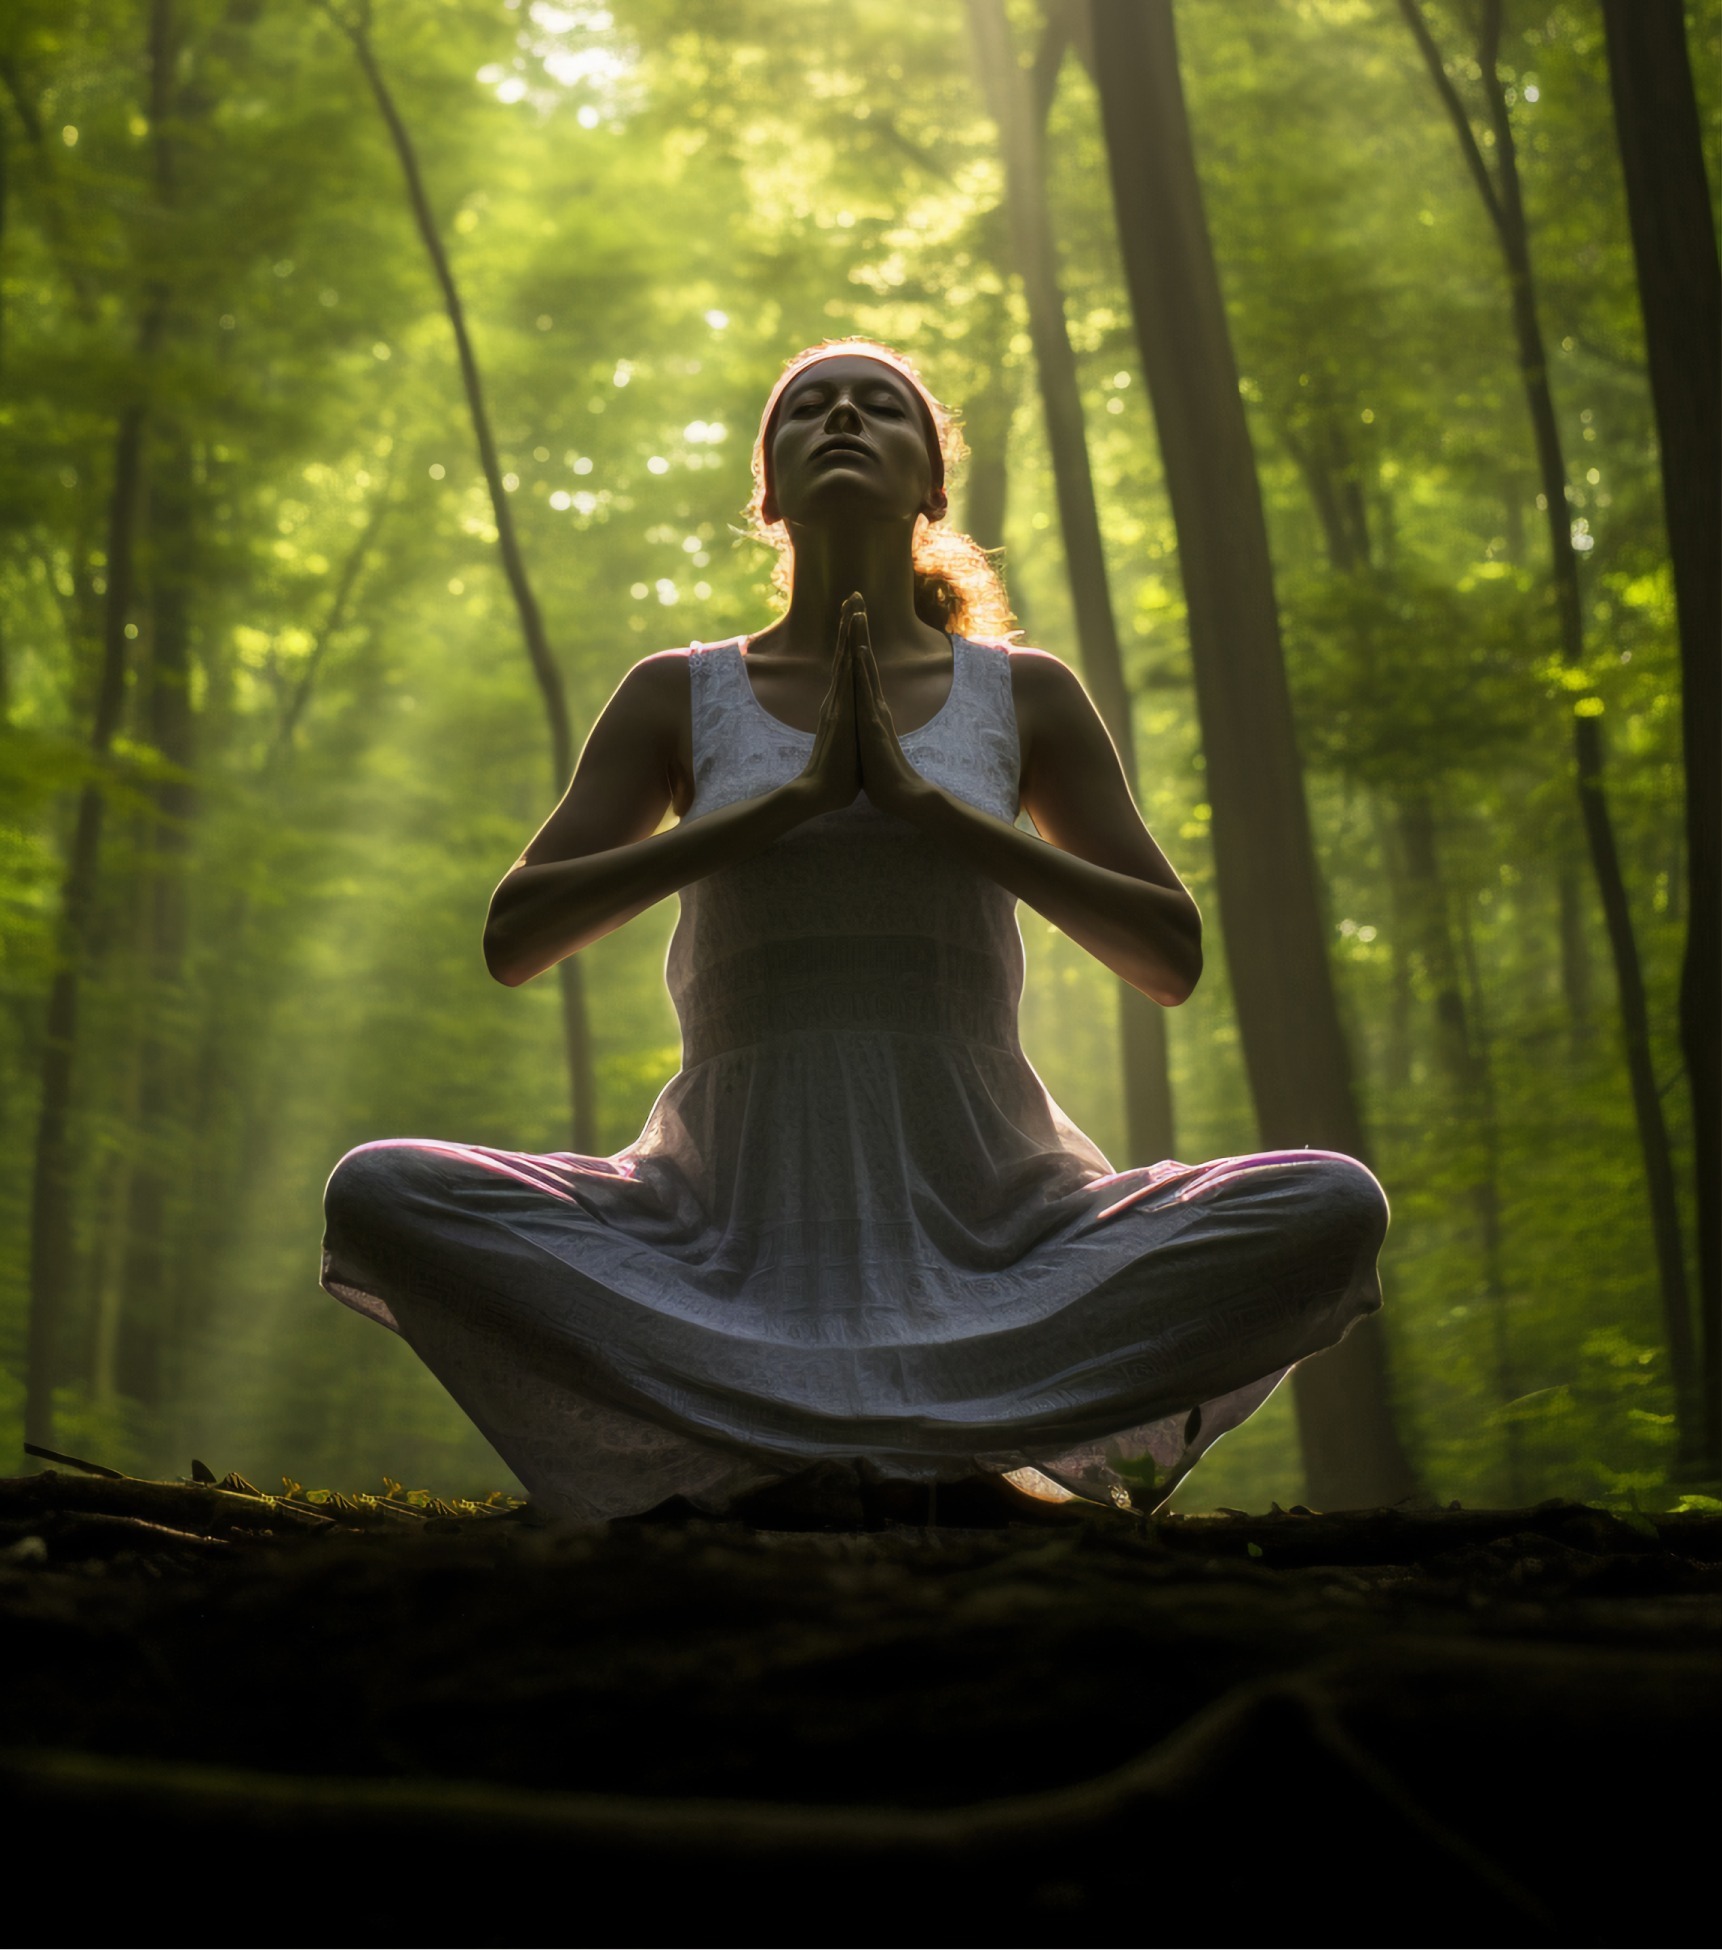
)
(856, 1228)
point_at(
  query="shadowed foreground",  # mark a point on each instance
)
(1369, 1728)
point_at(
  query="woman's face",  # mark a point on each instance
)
(849, 440)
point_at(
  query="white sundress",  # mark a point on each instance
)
(855, 1224)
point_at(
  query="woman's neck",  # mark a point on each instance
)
(874, 558)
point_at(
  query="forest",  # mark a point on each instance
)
(378, 380)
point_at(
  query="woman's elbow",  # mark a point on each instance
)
(1169, 994)
(1178, 982)
(499, 969)
(502, 957)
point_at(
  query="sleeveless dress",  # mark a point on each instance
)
(855, 1225)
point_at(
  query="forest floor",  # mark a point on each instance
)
(393, 1720)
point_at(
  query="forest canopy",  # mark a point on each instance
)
(285, 623)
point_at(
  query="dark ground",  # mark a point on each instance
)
(261, 1721)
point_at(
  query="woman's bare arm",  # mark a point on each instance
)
(599, 859)
(1095, 871)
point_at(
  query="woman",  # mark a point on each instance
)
(855, 1227)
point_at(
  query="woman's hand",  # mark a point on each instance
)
(890, 781)
(831, 779)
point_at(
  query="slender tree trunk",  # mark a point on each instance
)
(1396, 1063)
(1270, 899)
(1466, 1063)
(1680, 288)
(1478, 1087)
(115, 1179)
(1141, 1023)
(986, 428)
(5, 214)
(1573, 916)
(146, 1331)
(576, 1026)
(1501, 195)
(114, 1188)
(52, 1243)
(1433, 932)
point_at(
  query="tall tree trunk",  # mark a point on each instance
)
(146, 1333)
(1018, 113)
(1479, 1090)
(52, 1243)
(115, 1176)
(1501, 196)
(1432, 929)
(1466, 1063)
(1572, 918)
(986, 429)
(5, 214)
(1396, 1060)
(1270, 900)
(1680, 288)
(53, 1249)
(576, 1026)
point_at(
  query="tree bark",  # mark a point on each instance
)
(52, 1245)
(1680, 289)
(576, 1026)
(1141, 1024)
(1270, 899)
(1572, 916)
(986, 429)
(1479, 1093)
(1433, 932)
(145, 1330)
(1501, 196)
(1396, 1053)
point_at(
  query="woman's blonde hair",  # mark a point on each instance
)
(956, 586)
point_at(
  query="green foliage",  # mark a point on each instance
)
(646, 212)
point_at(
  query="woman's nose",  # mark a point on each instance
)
(843, 415)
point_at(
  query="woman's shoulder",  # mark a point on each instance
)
(666, 674)
(663, 682)
(1050, 699)
(1039, 675)
(653, 699)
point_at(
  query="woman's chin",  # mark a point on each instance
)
(845, 494)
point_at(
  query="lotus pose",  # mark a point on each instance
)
(855, 1226)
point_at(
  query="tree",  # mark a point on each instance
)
(1502, 197)
(51, 1210)
(1021, 116)
(1270, 903)
(1680, 288)
(576, 1028)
